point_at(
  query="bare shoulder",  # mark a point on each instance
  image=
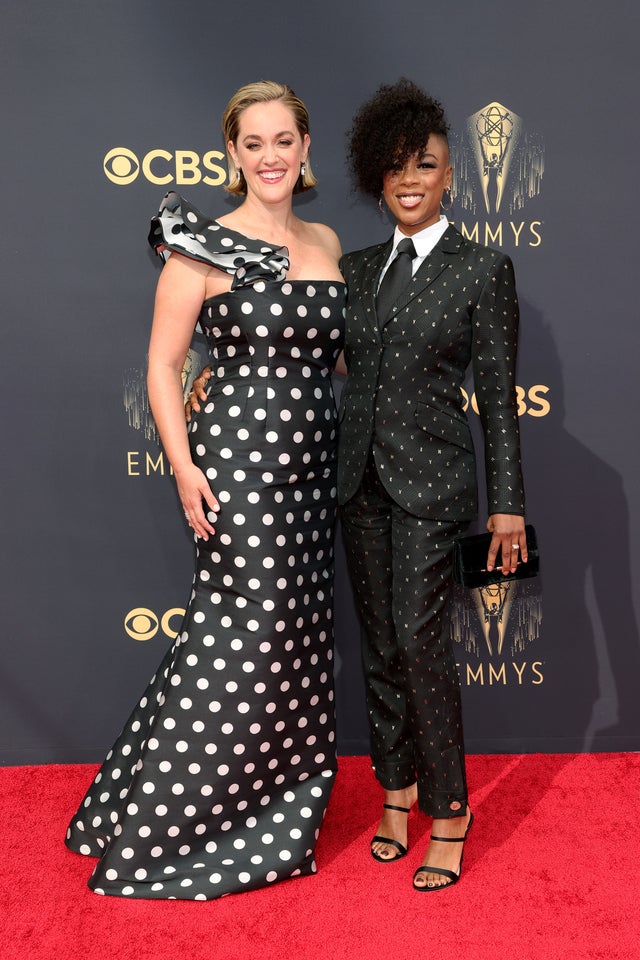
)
(183, 277)
(324, 236)
(184, 273)
(180, 264)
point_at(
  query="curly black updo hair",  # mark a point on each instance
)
(389, 128)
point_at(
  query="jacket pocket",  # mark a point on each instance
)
(443, 426)
(348, 400)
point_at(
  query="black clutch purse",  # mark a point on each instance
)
(470, 561)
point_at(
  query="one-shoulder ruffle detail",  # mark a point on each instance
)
(181, 227)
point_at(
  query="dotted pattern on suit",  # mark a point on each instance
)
(403, 391)
(407, 485)
(400, 568)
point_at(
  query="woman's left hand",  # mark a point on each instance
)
(509, 536)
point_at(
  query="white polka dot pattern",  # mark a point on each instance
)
(220, 779)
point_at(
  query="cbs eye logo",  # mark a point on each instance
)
(143, 624)
(121, 166)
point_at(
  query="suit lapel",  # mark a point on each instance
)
(372, 268)
(440, 258)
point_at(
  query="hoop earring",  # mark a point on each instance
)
(380, 202)
(450, 204)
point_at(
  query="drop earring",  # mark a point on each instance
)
(303, 169)
(450, 204)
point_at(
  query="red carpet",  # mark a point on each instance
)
(550, 873)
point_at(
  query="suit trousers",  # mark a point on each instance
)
(400, 567)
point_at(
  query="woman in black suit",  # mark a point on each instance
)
(417, 316)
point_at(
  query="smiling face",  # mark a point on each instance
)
(414, 192)
(269, 149)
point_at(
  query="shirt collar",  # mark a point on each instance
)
(426, 239)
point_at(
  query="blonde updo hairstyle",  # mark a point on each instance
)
(264, 91)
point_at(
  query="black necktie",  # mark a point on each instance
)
(395, 279)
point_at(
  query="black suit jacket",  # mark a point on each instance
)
(402, 393)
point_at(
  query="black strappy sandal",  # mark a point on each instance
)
(402, 851)
(451, 876)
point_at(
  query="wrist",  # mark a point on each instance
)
(181, 467)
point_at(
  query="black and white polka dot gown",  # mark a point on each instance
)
(221, 777)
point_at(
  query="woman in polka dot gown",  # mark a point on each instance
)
(221, 777)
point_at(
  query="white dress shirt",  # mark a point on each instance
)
(424, 242)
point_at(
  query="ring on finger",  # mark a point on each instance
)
(515, 546)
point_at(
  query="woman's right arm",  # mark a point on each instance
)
(179, 297)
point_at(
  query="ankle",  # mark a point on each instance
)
(405, 797)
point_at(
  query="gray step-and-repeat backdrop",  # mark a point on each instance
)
(108, 105)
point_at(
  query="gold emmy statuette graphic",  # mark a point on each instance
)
(498, 164)
(496, 625)
(494, 605)
(495, 132)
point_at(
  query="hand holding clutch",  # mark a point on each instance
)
(470, 561)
